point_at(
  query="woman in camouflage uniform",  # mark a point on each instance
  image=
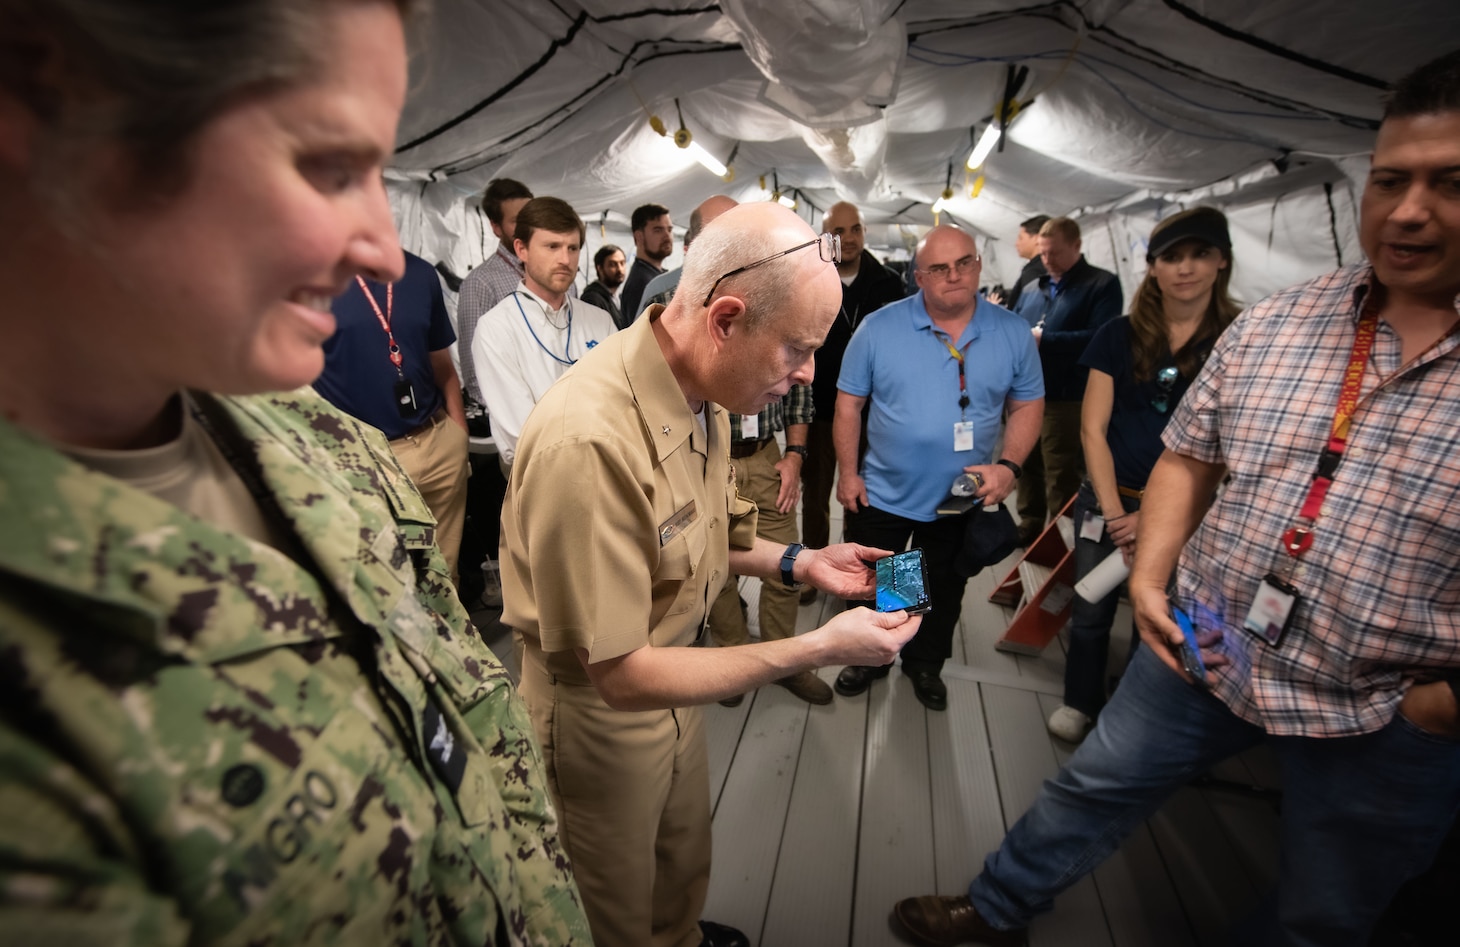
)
(239, 702)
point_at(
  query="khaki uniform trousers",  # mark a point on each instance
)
(757, 480)
(435, 460)
(632, 790)
(1055, 475)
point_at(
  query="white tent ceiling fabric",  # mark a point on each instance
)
(1265, 108)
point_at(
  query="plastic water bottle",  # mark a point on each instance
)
(966, 485)
(1103, 579)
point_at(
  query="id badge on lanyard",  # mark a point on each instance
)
(1277, 598)
(962, 428)
(404, 392)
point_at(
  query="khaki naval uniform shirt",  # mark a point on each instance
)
(617, 492)
(615, 536)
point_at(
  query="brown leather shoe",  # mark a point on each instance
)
(808, 687)
(940, 921)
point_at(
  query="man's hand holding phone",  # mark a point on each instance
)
(840, 570)
(862, 636)
(1191, 655)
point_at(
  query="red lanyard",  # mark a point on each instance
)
(962, 382)
(1299, 536)
(395, 356)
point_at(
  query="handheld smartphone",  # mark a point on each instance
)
(1189, 651)
(902, 583)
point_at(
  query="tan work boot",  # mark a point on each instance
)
(808, 687)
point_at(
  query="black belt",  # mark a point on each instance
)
(741, 449)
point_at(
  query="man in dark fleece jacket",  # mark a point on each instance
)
(1066, 307)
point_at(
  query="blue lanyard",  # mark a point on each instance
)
(566, 359)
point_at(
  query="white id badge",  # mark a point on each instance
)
(963, 435)
(750, 427)
(1272, 609)
(1092, 526)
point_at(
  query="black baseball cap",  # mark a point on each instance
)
(1206, 224)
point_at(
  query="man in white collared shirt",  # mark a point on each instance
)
(525, 343)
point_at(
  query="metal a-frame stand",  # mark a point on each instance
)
(1042, 585)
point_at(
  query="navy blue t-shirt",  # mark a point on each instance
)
(1136, 421)
(358, 376)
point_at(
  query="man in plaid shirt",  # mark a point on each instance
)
(1329, 624)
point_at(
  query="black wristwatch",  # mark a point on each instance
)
(788, 561)
(1006, 462)
(797, 449)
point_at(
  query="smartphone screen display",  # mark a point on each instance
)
(902, 583)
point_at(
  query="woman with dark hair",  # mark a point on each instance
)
(239, 701)
(1140, 365)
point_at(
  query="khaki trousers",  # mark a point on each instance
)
(1053, 472)
(757, 480)
(435, 460)
(632, 790)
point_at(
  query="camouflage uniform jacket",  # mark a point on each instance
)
(199, 745)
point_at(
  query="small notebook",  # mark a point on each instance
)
(955, 505)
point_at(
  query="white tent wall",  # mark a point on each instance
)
(1140, 108)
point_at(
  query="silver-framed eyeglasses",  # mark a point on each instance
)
(829, 245)
(941, 271)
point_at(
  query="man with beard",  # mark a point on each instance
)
(653, 242)
(525, 342)
(611, 267)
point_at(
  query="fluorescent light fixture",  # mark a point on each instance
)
(705, 158)
(785, 201)
(940, 205)
(985, 145)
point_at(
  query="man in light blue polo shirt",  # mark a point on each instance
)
(938, 368)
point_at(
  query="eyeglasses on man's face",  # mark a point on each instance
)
(829, 245)
(1165, 381)
(942, 271)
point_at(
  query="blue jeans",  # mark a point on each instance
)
(1090, 622)
(1361, 815)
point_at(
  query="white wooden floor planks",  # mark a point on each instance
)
(825, 816)
(883, 799)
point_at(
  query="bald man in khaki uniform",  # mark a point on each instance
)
(618, 529)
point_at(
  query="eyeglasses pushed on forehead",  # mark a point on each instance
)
(829, 245)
